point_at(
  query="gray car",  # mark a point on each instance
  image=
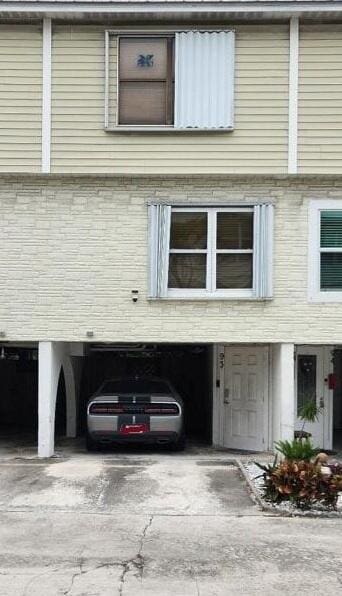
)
(135, 409)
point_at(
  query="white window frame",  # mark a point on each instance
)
(121, 128)
(315, 294)
(211, 251)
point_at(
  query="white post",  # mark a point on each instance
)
(283, 392)
(46, 97)
(287, 391)
(293, 96)
(49, 362)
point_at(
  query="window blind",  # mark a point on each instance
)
(331, 250)
(331, 229)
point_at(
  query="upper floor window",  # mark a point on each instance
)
(174, 81)
(205, 252)
(325, 250)
(146, 80)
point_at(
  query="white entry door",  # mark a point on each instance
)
(245, 397)
(310, 386)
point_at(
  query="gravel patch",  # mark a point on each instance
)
(254, 478)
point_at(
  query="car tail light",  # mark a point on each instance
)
(162, 410)
(114, 409)
(103, 409)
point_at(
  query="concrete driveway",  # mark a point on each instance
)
(158, 524)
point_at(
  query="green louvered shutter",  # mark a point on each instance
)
(331, 250)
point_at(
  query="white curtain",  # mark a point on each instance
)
(159, 240)
(204, 79)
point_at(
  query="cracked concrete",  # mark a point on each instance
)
(137, 563)
(162, 525)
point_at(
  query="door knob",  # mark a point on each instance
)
(321, 402)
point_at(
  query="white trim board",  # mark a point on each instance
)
(293, 96)
(46, 98)
(255, 7)
(314, 292)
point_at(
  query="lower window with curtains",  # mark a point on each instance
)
(211, 252)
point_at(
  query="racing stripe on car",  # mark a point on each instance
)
(125, 399)
(125, 418)
(143, 418)
(143, 399)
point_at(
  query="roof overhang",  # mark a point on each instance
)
(209, 9)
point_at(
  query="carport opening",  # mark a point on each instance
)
(19, 393)
(19, 397)
(60, 414)
(337, 401)
(187, 366)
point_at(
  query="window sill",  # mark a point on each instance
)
(209, 299)
(326, 297)
(158, 129)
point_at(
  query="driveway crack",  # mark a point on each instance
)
(85, 571)
(135, 564)
(73, 577)
(143, 535)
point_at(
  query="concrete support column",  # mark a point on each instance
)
(53, 357)
(283, 385)
(50, 356)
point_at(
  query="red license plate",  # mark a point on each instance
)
(133, 429)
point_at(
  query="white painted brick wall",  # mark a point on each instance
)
(72, 249)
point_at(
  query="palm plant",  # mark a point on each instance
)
(309, 412)
(297, 449)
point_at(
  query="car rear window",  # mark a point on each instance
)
(135, 386)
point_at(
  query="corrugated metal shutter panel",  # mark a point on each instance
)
(159, 240)
(263, 250)
(204, 79)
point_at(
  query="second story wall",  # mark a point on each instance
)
(258, 143)
(20, 98)
(320, 99)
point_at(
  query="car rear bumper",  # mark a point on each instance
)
(158, 437)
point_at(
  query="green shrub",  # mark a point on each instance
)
(310, 412)
(297, 449)
(302, 483)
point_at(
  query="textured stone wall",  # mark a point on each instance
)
(73, 248)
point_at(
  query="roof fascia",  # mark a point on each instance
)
(256, 8)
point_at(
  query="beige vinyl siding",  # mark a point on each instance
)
(20, 97)
(257, 145)
(320, 99)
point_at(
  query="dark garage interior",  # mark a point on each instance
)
(187, 366)
(19, 390)
(19, 394)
